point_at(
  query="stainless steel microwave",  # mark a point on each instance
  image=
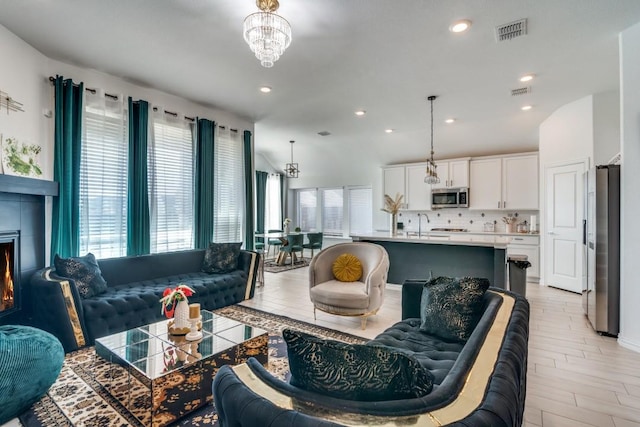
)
(450, 198)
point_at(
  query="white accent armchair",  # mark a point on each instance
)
(362, 298)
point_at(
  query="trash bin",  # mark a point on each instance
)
(518, 265)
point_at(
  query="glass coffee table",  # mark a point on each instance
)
(159, 378)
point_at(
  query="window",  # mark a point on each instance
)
(103, 177)
(307, 205)
(332, 210)
(273, 203)
(228, 223)
(327, 208)
(360, 210)
(171, 184)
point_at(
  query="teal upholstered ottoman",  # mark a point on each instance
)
(30, 361)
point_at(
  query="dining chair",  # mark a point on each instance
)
(314, 241)
(294, 244)
(275, 242)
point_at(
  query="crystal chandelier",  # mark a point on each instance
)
(267, 34)
(432, 175)
(291, 169)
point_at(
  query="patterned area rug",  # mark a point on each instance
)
(78, 399)
(272, 267)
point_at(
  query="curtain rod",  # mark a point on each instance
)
(171, 113)
(108, 95)
(231, 130)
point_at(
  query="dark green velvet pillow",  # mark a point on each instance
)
(85, 273)
(221, 257)
(353, 371)
(451, 307)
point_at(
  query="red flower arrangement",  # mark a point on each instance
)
(171, 298)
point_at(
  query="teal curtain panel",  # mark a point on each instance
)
(138, 220)
(248, 184)
(261, 199)
(65, 235)
(203, 200)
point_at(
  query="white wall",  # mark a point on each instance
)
(24, 78)
(630, 187)
(606, 126)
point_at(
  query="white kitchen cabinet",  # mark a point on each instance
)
(393, 182)
(504, 183)
(485, 189)
(529, 246)
(418, 193)
(453, 174)
(520, 182)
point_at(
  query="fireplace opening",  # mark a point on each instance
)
(9, 273)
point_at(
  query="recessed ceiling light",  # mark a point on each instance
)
(265, 89)
(360, 113)
(388, 130)
(527, 77)
(460, 26)
(527, 108)
(450, 120)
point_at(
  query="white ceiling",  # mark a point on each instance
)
(384, 57)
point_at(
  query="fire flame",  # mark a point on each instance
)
(7, 293)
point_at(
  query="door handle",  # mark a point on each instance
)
(498, 205)
(504, 205)
(551, 233)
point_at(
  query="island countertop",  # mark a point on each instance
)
(490, 240)
(443, 254)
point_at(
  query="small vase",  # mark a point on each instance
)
(509, 228)
(286, 229)
(393, 227)
(181, 315)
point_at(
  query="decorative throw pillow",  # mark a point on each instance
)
(221, 257)
(85, 273)
(354, 372)
(347, 268)
(451, 307)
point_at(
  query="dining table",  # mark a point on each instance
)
(282, 255)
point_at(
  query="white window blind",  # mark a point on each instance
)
(332, 211)
(307, 206)
(170, 180)
(360, 210)
(103, 177)
(229, 187)
(273, 203)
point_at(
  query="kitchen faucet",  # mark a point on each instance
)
(420, 223)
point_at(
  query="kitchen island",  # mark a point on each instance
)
(441, 254)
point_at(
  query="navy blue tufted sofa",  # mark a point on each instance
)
(134, 286)
(479, 383)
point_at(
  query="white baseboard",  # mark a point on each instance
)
(629, 344)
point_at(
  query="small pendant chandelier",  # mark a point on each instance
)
(267, 33)
(291, 169)
(432, 175)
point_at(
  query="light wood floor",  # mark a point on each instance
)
(576, 377)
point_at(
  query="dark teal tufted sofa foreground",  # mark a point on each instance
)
(134, 286)
(479, 383)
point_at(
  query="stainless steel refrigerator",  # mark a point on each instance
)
(601, 238)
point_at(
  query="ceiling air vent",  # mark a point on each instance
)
(521, 91)
(324, 133)
(511, 30)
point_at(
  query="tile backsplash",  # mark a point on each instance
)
(472, 220)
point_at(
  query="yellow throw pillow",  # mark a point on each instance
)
(347, 268)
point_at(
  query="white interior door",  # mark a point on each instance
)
(564, 213)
